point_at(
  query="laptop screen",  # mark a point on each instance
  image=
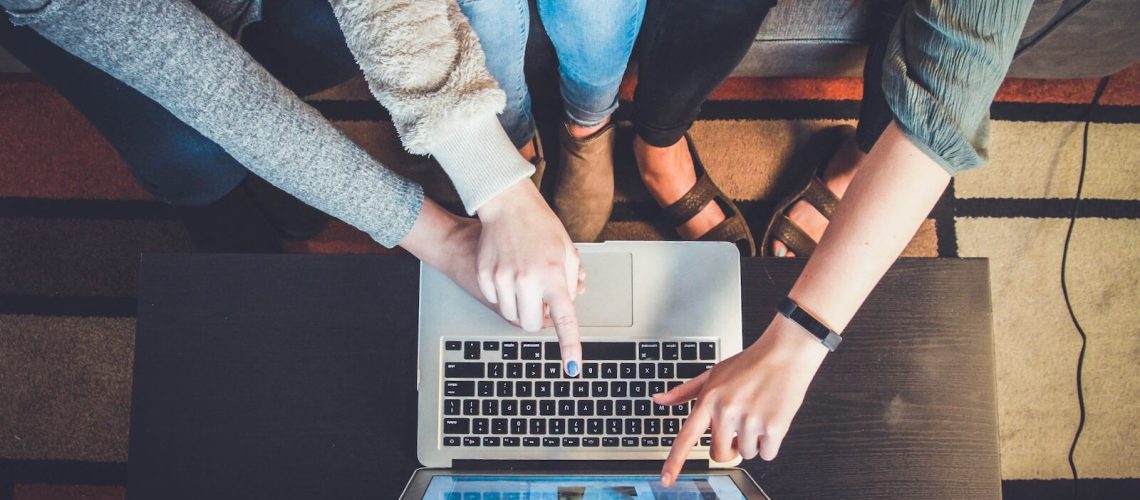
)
(576, 487)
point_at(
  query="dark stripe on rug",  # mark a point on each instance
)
(711, 110)
(649, 211)
(624, 211)
(62, 472)
(945, 229)
(1062, 489)
(779, 110)
(1054, 112)
(849, 110)
(1046, 208)
(51, 208)
(796, 110)
(86, 307)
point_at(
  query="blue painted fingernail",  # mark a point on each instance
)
(572, 368)
(781, 251)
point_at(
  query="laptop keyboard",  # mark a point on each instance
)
(514, 393)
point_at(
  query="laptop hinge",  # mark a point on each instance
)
(571, 465)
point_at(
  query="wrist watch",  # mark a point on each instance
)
(794, 312)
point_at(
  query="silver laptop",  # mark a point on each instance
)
(654, 315)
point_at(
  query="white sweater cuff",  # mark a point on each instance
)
(480, 160)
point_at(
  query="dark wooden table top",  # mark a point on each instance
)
(289, 376)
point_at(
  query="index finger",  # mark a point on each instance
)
(575, 273)
(566, 327)
(692, 430)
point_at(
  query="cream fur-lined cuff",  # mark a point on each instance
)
(480, 160)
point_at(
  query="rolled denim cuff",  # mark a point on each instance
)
(587, 106)
(583, 118)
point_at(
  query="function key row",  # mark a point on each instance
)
(559, 390)
(566, 442)
(618, 351)
(518, 370)
(562, 408)
(507, 350)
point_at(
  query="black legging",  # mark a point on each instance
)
(688, 47)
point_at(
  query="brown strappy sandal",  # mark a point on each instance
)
(813, 190)
(732, 229)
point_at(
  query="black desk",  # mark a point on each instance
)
(294, 377)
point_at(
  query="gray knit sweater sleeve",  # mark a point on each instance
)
(174, 54)
(944, 63)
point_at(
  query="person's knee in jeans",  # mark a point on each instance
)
(185, 169)
(167, 158)
(593, 41)
(301, 44)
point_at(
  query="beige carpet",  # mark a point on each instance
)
(1035, 340)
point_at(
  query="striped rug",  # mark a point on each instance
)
(72, 224)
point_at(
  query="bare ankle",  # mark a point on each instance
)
(528, 151)
(667, 172)
(580, 132)
(653, 161)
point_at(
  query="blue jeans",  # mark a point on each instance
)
(298, 41)
(592, 38)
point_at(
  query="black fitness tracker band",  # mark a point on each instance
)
(792, 311)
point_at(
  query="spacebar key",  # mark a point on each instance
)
(609, 350)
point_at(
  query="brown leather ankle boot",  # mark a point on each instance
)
(584, 193)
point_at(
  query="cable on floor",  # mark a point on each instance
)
(1065, 287)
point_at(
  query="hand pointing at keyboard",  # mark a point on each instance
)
(528, 267)
(749, 400)
(530, 277)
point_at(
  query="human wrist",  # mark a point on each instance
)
(819, 298)
(788, 308)
(429, 238)
(506, 201)
(797, 342)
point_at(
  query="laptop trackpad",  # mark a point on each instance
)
(608, 300)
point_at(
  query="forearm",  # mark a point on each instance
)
(944, 63)
(895, 188)
(173, 54)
